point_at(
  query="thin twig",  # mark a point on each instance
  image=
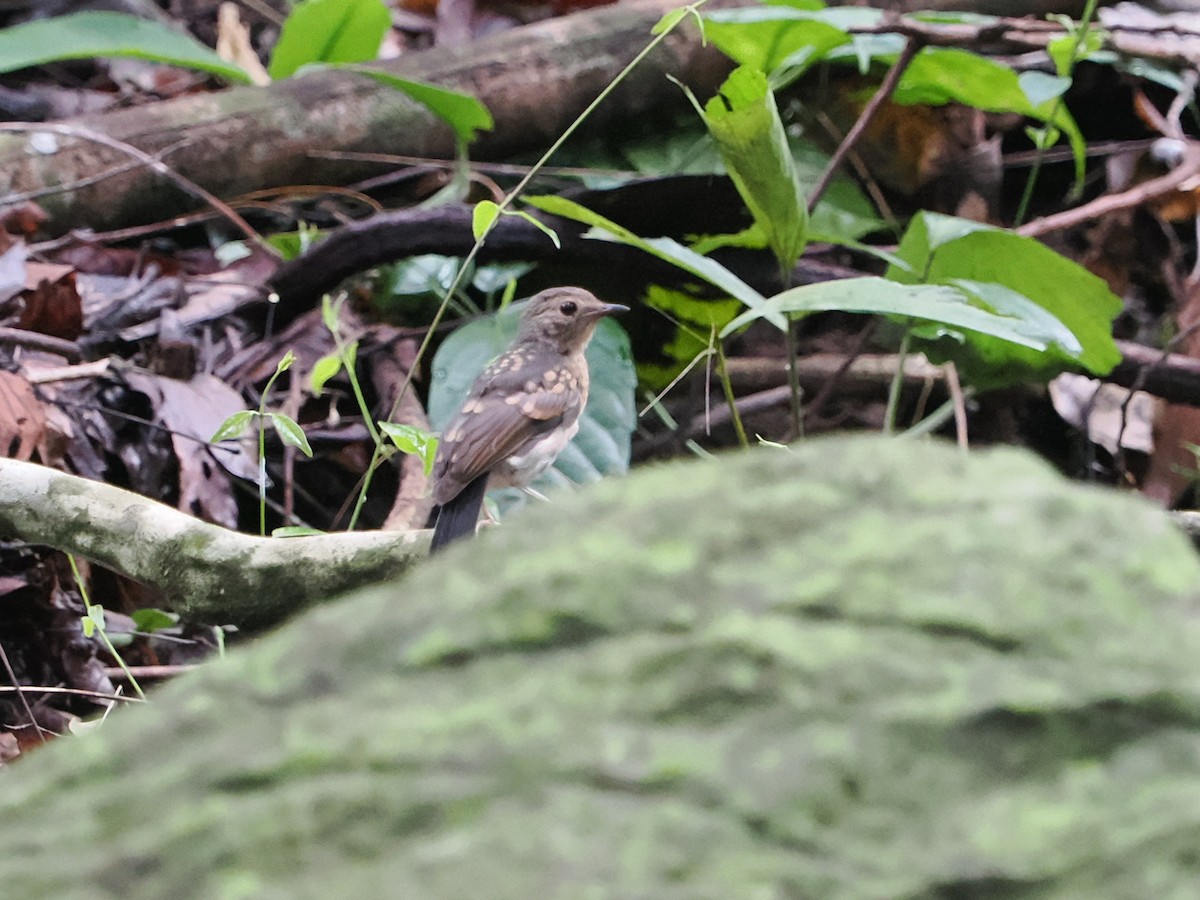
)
(68, 186)
(960, 404)
(184, 184)
(77, 692)
(1188, 168)
(34, 340)
(19, 688)
(886, 89)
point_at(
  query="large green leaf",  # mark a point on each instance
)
(697, 320)
(745, 123)
(602, 446)
(944, 250)
(87, 35)
(329, 31)
(940, 75)
(771, 38)
(942, 305)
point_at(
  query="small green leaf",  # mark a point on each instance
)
(462, 112)
(150, 620)
(410, 439)
(324, 369)
(329, 31)
(287, 531)
(329, 313)
(1041, 88)
(87, 35)
(233, 426)
(290, 433)
(483, 217)
(539, 224)
(286, 362)
(669, 20)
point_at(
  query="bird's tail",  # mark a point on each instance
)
(458, 517)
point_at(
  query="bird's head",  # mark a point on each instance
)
(564, 317)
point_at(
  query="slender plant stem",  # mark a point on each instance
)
(1035, 169)
(886, 89)
(727, 387)
(98, 621)
(936, 419)
(20, 689)
(893, 402)
(794, 379)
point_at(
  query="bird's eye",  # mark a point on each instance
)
(568, 308)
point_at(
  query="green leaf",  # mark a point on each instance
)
(769, 38)
(86, 35)
(944, 250)
(938, 76)
(939, 304)
(290, 531)
(150, 620)
(285, 362)
(696, 320)
(410, 439)
(290, 433)
(465, 114)
(537, 223)
(329, 313)
(602, 445)
(1040, 87)
(427, 275)
(329, 31)
(324, 369)
(669, 20)
(486, 212)
(483, 217)
(233, 426)
(663, 248)
(745, 123)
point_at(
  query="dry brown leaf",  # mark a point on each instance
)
(22, 418)
(53, 305)
(193, 411)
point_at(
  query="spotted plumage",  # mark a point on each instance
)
(521, 411)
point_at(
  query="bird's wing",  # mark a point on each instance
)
(500, 421)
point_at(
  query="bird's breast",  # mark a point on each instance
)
(521, 468)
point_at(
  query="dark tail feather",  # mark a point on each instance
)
(458, 517)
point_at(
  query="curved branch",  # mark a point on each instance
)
(208, 573)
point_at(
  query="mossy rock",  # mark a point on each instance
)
(856, 669)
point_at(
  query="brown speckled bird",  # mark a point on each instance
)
(521, 412)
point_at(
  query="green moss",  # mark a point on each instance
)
(861, 669)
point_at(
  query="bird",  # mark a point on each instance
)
(521, 411)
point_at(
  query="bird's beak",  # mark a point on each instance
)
(613, 309)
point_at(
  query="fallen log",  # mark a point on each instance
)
(535, 80)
